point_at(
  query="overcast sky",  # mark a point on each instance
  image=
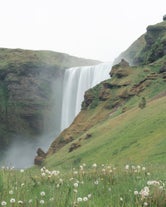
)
(96, 29)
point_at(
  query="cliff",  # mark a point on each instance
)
(148, 48)
(30, 81)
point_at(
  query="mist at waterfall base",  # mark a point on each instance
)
(67, 98)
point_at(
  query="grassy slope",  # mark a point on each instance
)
(17, 57)
(136, 136)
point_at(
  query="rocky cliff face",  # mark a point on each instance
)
(148, 48)
(30, 85)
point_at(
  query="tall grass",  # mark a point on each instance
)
(90, 186)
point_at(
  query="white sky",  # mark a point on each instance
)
(96, 29)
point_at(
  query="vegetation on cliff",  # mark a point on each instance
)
(148, 48)
(121, 116)
(29, 80)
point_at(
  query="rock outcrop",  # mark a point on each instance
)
(148, 48)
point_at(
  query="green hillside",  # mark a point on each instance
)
(122, 119)
(114, 127)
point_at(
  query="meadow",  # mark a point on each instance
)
(92, 185)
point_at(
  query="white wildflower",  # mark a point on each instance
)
(30, 201)
(51, 199)
(79, 199)
(61, 180)
(75, 190)
(126, 167)
(85, 199)
(109, 189)
(144, 192)
(121, 199)
(94, 165)
(41, 201)
(76, 185)
(42, 193)
(89, 195)
(103, 170)
(81, 167)
(75, 172)
(20, 202)
(22, 184)
(3, 203)
(12, 200)
(135, 192)
(43, 174)
(143, 168)
(22, 170)
(11, 192)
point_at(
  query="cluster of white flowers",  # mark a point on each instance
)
(148, 190)
(7, 168)
(144, 192)
(153, 182)
(108, 169)
(48, 173)
(134, 168)
(84, 199)
(12, 201)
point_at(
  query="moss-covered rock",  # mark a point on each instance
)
(148, 48)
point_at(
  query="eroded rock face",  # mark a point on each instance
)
(120, 70)
(30, 91)
(155, 43)
(27, 98)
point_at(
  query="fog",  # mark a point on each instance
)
(22, 150)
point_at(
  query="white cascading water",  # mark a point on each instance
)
(76, 81)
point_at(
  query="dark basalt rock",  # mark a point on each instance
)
(41, 155)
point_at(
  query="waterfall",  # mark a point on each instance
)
(76, 81)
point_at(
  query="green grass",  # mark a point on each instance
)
(137, 135)
(88, 185)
